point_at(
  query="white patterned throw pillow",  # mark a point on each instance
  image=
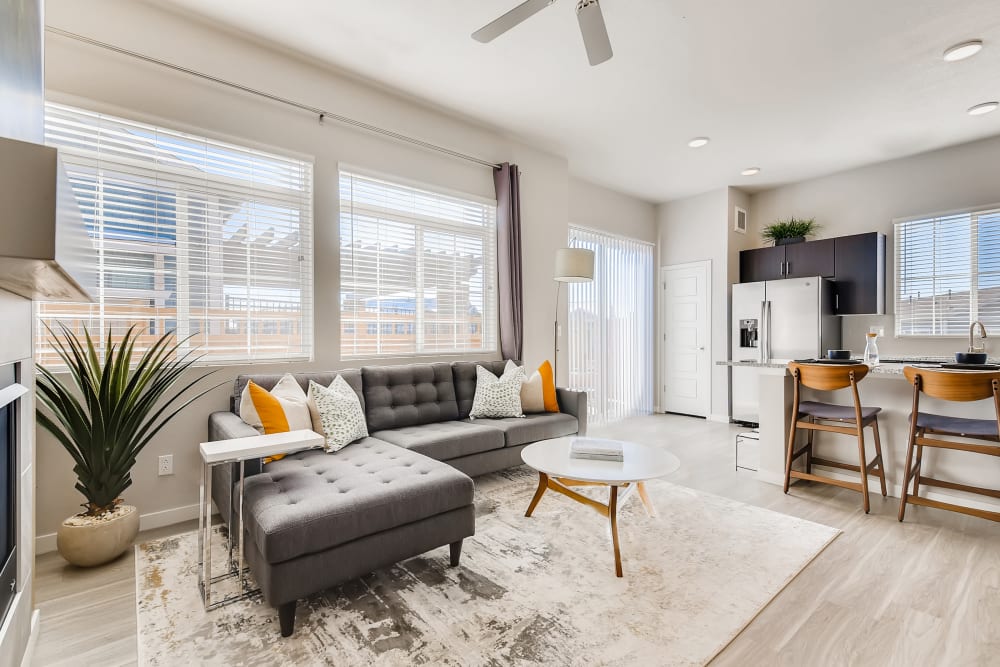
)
(337, 414)
(498, 397)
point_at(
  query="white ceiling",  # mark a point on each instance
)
(800, 88)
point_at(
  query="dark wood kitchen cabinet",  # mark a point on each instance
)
(813, 258)
(796, 260)
(762, 264)
(855, 263)
(860, 274)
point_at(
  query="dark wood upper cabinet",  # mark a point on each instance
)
(855, 263)
(860, 274)
(813, 258)
(762, 264)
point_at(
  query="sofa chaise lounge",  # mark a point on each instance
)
(313, 520)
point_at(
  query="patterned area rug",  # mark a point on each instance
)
(538, 590)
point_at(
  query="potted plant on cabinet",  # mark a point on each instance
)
(110, 408)
(793, 230)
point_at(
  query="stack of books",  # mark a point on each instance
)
(596, 448)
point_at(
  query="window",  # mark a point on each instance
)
(190, 234)
(611, 327)
(418, 266)
(948, 273)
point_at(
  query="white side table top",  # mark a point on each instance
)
(256, 446)
(641, 462)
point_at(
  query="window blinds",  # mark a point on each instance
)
(417, 270)
(611, 327)
(948, 273)
(201, 237)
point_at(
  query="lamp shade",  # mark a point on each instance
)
(574, 265)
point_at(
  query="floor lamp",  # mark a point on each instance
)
(573, 265)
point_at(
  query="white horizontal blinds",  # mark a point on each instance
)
(191, 235)
(611, 327)
(948, 273)
(417, 270)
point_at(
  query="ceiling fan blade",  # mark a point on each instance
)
(499, 26)
(594, 31)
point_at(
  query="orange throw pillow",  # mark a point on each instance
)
(272, 415)
(548, 387)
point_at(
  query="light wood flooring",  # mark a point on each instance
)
(924, 592)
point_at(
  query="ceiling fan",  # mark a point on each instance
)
(588, 13)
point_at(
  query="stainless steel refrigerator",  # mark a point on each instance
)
(777, 321)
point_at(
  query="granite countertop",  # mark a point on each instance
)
(893, 366)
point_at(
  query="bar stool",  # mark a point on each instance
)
(845, 419)
(949, 385)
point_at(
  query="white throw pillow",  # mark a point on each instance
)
(532, 398)
(498, 397)
(337, 411)
(292, 399)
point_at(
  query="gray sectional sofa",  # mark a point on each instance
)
(313, 520)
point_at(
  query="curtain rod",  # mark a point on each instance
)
(321, 113)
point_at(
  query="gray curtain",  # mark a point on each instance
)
(511, 300)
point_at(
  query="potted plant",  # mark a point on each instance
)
(788, 231)
(109, 408)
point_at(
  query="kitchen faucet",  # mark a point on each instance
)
(982, 338)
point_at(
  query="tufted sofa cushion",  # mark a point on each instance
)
(351, 375)
(532, 428)
(446, 440)
(312, 501)
(464, 373)
(400, 396)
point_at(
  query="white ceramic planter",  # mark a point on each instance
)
(97, 542)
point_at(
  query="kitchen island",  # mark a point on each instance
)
(885, 387)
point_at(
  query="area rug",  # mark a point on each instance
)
(529, 590)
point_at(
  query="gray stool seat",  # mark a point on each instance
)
(309, 502)
(960, 426)
(835, 412)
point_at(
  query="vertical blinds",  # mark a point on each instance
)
(201, 237)
(417, 270)
(611, 327)
(948, 273)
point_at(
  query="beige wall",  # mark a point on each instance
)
(117, 84)
(869, 198)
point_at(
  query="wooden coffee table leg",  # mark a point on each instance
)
(543, 483)
(644, 496)
(613, 515)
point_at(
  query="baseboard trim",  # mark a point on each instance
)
(47, 543)
(29, 651)
(719, 419)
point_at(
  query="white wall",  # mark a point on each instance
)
(869, 198)
(118, 84)
(695, 229)
(597, 207)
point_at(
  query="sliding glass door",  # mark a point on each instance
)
(610, 327)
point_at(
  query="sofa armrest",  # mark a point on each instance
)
(574, 403)
(226, 426)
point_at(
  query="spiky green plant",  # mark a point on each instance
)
(113, 407)
(786, 229)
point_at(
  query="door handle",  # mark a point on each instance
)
(781, 268)
(762, 332)
(702, 348)
(788, 268)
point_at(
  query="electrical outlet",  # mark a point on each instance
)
(165, 465)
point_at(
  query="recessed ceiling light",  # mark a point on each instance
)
(750, 171)
(963, 50)
(698, 142)
(985, 107)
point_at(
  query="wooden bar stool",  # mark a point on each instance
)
(845, 419)
(949, 385)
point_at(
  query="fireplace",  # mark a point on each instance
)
(10, 394)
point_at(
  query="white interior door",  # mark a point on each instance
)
(686, 348)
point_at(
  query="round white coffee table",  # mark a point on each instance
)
(559, 472)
